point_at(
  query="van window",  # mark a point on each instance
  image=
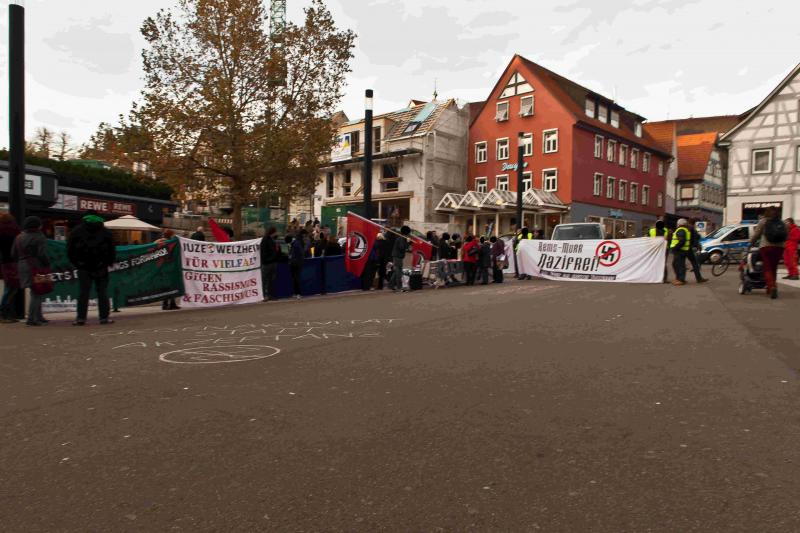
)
(578, 232)
(739, 234)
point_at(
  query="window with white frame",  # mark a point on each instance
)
(623, 190)
(615, 119)
(550, 141)
(502, 182)
(502, 149)
(590, 108)
(602, 113)
(481, 152)
(660, 199)
(598, 146)
(660, 168)
(634, 158)
(598, 184)
(527, 181)
(526, 106)
(480, 185)
(550, 179)
(797, 158)
(611, 150)
(610, 184)
(527, 143)
(687, 192)
(516, 85)
(645, 195)
(634, 193)
(502, 112)
(762, 161)
(637, 128)
(646, 162)
(623, 154)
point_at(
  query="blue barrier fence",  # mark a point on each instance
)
(318, 272)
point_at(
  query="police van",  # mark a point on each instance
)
(733, 237)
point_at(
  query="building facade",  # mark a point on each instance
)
(764, 156)
(418, 157)
(590, 154)
(700, 185)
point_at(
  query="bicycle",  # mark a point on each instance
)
(735, 256)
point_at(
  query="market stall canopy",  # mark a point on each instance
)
(130, 223)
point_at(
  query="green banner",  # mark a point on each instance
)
(142, 275)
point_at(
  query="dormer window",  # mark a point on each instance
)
(615, 119)
(411, 128)
(637, 128)
(590, 108)
(516, 85)
(602, 113)
(502, 112)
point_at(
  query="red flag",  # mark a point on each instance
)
(420, 250)
(218, 233)
(361, 234)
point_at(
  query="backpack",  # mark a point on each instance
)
(92, 249)
(775, 231)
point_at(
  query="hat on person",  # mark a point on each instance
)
(683, 222)
(32, 223)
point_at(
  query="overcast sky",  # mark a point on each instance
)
(661, 58)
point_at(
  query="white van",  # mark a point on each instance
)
(579, 231)
(734, 237)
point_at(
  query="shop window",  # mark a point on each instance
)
(526, 106)
(480, 185)
(502, 112)
(598, 146)
(481, 152)
(550, 179)
(329, 189)
(502, 149)
(527, 143)
(610, 185)
(762, 161)
(550, 141)
(527, 181)
(598, 184)
(611, 150)
(502, 183)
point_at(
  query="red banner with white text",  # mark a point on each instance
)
(361, 234)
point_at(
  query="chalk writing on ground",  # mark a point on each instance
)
(210, 355)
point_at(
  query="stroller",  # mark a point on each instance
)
(751, 272)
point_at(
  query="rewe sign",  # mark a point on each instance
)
(106, 206)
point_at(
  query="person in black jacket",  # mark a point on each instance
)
(8, 234)
(198, 235)
(270, 255)
(694, 248)
(484, 261)
(90, 249)
(399, 250)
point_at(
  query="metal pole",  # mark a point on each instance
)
(520, 171)
(16, 111)
(367, 173)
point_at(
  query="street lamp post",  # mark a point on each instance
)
(520, 168)
(367, 173)
(16, 109)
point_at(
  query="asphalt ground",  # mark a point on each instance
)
(531, 406)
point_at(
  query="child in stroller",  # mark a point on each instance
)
(751, 272)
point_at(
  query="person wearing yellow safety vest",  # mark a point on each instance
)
(661, 231)
(680, 244)
(524, 233)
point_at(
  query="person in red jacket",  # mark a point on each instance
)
(470, 252)
(790, 254)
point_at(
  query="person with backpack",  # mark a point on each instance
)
(484, 261)
(90, 249)
(770, 236)
(399, 250)
(30, 252)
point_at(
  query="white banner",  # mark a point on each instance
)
(341, 150)
(221, 273)
(623, 260)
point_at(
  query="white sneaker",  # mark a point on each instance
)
(297, 296)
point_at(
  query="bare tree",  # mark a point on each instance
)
(43, 141)
(228, 108)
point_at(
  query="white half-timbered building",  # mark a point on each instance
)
(764, 156)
